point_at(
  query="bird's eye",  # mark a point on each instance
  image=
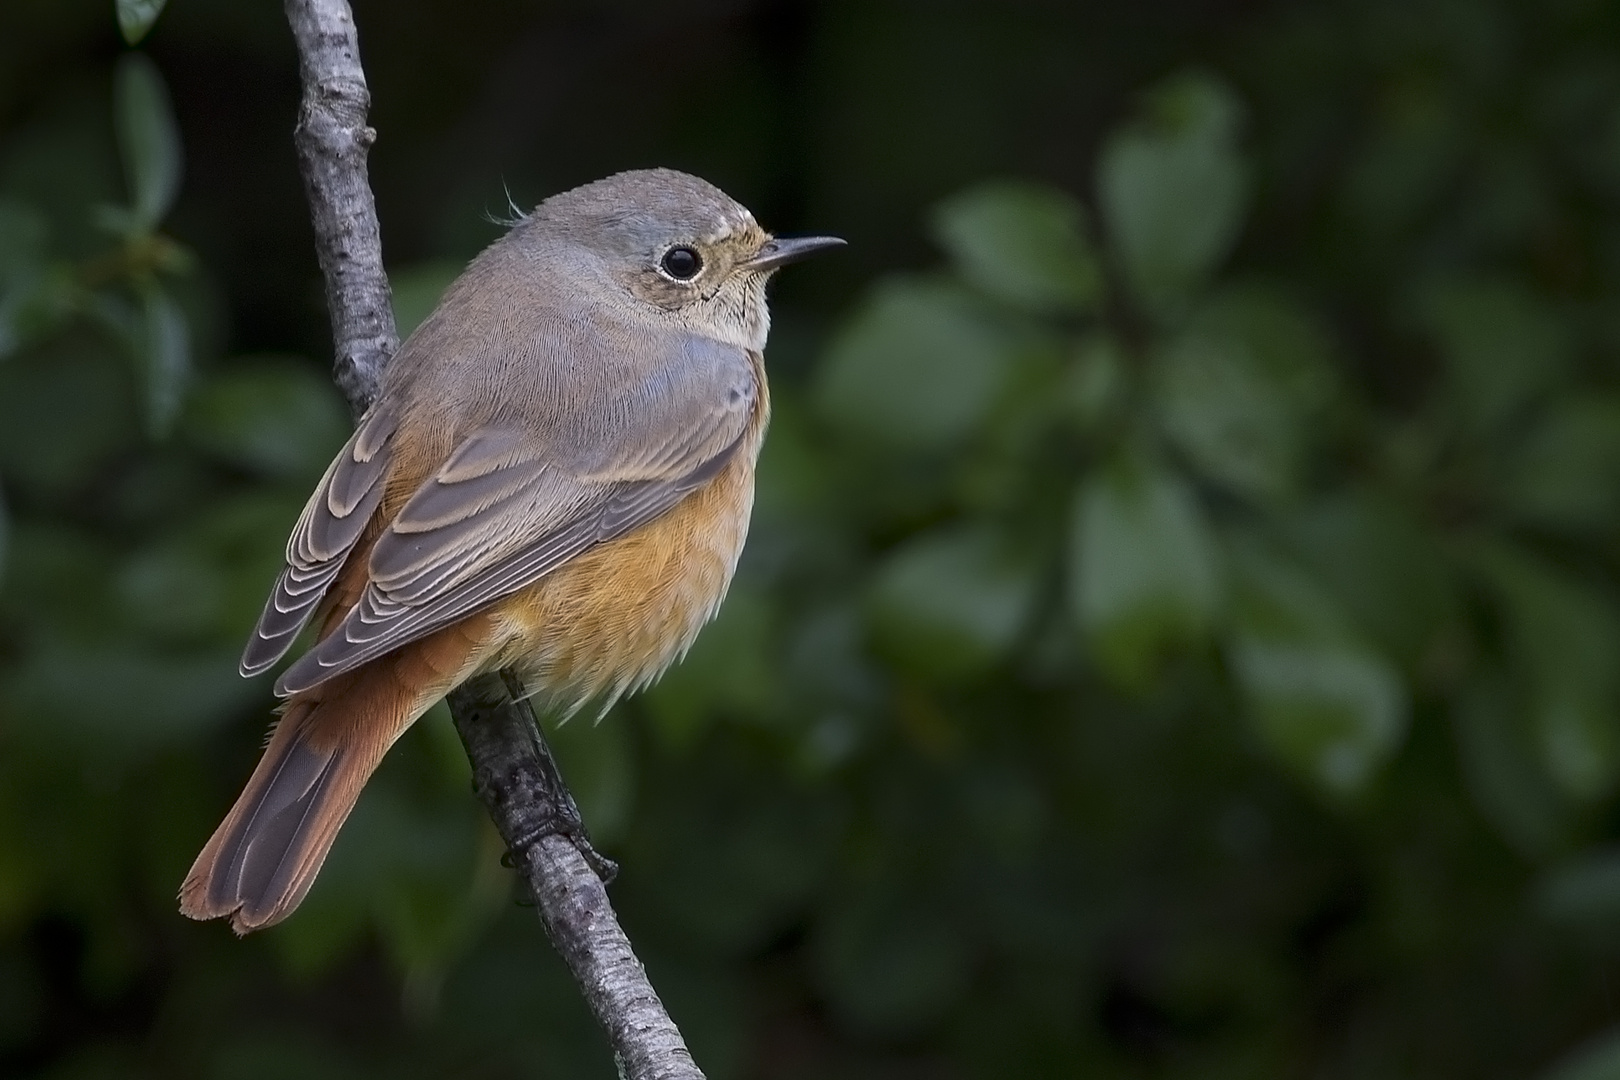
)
(682, 263)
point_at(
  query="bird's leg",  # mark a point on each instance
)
(516, 777)
(567, 821)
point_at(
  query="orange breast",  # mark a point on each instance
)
(612, 620)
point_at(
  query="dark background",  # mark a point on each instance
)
(1180, 633)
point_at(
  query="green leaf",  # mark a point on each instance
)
(1329, 706)
(1023, 243)
(1563, 635)
(173, 592)
(1385, 567)
(949, 604)
(164, 345)
(1241, 390)
(1173, 187)
(148, 139)
(1502, 346)
(1144, 571)
(1599, 1059)
(1503, 770)
(1585, 894)
(1578, 739)
(1332, 713)
(22, 242)
(26, 297)
(917, 368)
(135, 18)
(203, 581)
(1096, 382)
(278, 416)
(1566, 472)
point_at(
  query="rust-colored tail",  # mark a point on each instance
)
(264, 856)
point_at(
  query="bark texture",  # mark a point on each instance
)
(514, 775)
(332, 139)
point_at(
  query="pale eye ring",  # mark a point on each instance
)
(682, 263)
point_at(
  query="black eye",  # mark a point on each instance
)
(682, 263)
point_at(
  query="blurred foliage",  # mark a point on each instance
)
(1179, 635)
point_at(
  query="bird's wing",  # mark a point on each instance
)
(333, 519)
(510, 506)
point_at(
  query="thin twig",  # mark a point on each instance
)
(512, 767)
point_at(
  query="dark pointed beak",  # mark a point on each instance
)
(782, 250)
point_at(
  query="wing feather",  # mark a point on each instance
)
(331, 524)
(508, 507)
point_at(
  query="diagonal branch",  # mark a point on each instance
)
(514, 775)
(512, 767)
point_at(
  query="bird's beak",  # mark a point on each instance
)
(782, 250)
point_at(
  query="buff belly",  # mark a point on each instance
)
(609, 622)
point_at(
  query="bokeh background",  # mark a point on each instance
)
(1180, 635)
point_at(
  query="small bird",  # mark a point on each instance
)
(555, 478)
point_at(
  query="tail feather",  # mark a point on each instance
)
(264, 856)
(294, 832)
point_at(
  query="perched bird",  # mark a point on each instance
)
(555, 478)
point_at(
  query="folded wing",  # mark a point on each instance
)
(510, 505)
(330, 526)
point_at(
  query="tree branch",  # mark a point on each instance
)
(332, 140)
(513, 771)
(514, 775)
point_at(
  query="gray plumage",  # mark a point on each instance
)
(556, 477)
(568, 424)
